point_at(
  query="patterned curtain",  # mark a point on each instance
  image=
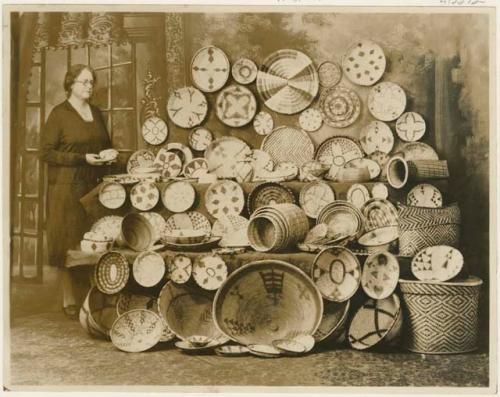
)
(75, 29)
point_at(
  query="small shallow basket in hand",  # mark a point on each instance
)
(265, 301)
(441, 317)
(138, 232)
(421, 227)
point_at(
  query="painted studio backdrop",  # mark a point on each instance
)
(441, 61)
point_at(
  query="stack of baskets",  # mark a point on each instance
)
(276, 227)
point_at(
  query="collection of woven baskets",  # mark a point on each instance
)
(353, 292)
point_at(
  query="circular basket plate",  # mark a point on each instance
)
(358, 195)
(189, 220)
(336, 272)
(187, 107)
(263, 123)
(267, 300)
(337, 151)
(232, 351)
(178, 196)
(425, 195)
(154, 130)
(289, 346)
(314, 197)
(289, 144)
(410, 126)
(373, 321)
(196, 168)
(168, 163)
(236, 106)
(437, 263)
(244, 71)
(269, 193)
(334, 318)
(380, 275)
(380, 191)
(364, 63)
(188, 311)
(224, 198)
(140, 159)
(232, 229)
(329, 74)
(386, 101)
(379, 237)
(112, 195)
(224, 153)
(210, 69)
(180, 268)
(209, 271)
(144, 196)
(148, 268)
(339, 106)
(364, 163)
(109, 226)
(261, 161)
(111, 272)
(310, 120)
(287, 81)
(136, 331)
(418, 151)
(305, 340)
(377, 136)
(200, 138)
(342, 218)
(261, 350)
(379, 213)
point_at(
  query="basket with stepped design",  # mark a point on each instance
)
(422, 227)
(441, 317)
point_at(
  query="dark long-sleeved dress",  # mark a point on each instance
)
(66, 138)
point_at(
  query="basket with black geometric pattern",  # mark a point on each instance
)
(441, 317)
(421, 227)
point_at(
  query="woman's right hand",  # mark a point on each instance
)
(94, 159)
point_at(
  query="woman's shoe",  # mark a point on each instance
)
(71, 312)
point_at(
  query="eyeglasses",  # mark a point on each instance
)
(89, 83)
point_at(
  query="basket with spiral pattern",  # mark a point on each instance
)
(441, 317)
(421, 227)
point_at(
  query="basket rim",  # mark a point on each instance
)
(471, 281)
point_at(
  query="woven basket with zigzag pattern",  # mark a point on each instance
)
(441, 318)
(421, 227)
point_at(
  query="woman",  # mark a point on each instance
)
(72, 137)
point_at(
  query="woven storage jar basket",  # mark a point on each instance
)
(441, 317)
(422, 227)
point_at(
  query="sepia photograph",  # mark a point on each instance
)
(249, 198)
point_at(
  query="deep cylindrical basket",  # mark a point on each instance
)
(441, 317)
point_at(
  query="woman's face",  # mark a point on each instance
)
(83, 85)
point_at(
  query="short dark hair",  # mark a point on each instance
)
(72, 74)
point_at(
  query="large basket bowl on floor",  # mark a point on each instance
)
(187, 311)
(98, 312)
(265, 301)
(441, 317)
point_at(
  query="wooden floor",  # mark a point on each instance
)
(48, 349)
